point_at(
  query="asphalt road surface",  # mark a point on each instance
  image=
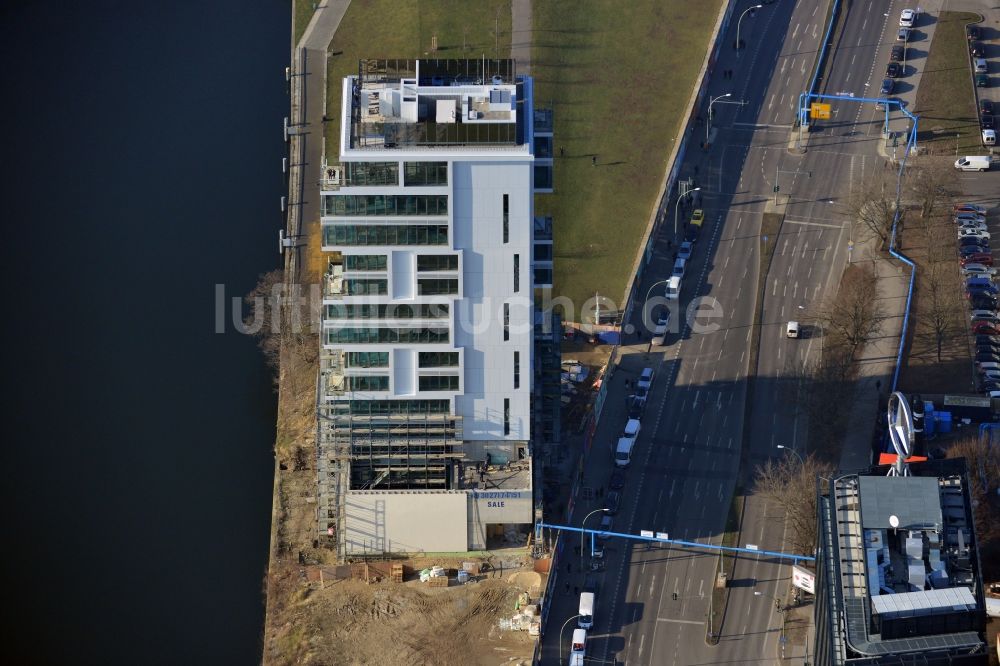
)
(653, 602)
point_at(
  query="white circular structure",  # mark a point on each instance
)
(901, 431)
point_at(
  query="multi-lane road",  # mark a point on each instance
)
(653, 602)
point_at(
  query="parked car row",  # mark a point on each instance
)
(976, 262)
(977, 51)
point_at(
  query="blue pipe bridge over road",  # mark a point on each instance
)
(673, 542)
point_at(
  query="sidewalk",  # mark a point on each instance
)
(876, 362)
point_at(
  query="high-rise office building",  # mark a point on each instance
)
(428, 312)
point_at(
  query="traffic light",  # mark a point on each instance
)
(777, 188)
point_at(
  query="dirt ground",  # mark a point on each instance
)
(351, 622)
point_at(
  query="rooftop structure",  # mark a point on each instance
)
(897, 569)
(435, 104)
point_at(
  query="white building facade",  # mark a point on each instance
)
(425, 393)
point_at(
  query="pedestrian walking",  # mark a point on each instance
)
(600, 492)
(562, 152)
(567, 588)
(576, 590)
(593, 160)
(878, 384)
(569, 567)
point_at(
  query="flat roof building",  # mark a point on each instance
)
(897, 569)
(428, 308)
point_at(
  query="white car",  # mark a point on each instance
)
(977, 269)
(645, 379)
(987, 366)
(990, 375)
(906, 18)
(971, 233)
(903, 35)
(969, 225)
(984, 315)
(980, 65)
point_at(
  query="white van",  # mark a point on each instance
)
(623, 452)
(989, 137)
(579, 642)
(586, 620)
(969, 163)
(673, 288)
(679, 268)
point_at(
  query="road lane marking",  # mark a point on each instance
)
(676, 621)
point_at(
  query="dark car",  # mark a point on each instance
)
(982, 81)
(635, 407)
(988, 338)
(985, 107)
(989, 385)
(988, 357)
(987, 347)
(887, 86)
(613, 502)
(894, 70)
(983, 304)
(617, 481)
(977, 294)
(977, 49)
(986, 122)
(973, 241)
(896, 55)
(968, 250)
(972, 32)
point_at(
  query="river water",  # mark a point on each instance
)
(142, 156)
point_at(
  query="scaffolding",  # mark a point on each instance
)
(362, 447)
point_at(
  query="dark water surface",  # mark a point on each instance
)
(142, 165)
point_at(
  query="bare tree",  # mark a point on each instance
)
(943, 305)
(275, 319)
(983, 461)
(812, 387)
(873, 205)
(791, 484)
(855, 312)
(933, 181)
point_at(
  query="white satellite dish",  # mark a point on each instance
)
(894, 521)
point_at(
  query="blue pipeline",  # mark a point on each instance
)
(675, 542)
(911, 143)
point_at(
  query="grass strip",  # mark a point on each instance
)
(727, 562)
(770, 227)
(946, 97)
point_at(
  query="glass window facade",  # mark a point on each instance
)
(349, 205)
(438, 382)
(368, 383)
(506, 416)
(543, 251)
(437, 262)
(506, 218)
(437, 286)
(438, 359)
(390, 407)
(367, 359)
(517, 369)
(366, 286)
(365, 262)
(361, 174)
(517, 273)
(385, 234)
(506, 321)
(386, 335)
(425, 173)
(387, 311)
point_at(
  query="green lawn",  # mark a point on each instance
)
(393, 29)
(945, 102)
(618, 76)
(302, 11)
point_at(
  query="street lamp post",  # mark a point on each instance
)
(677, 207)
(582, 533)
(797, 455)
(748, 9)
(561, 635)
(708, 122)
